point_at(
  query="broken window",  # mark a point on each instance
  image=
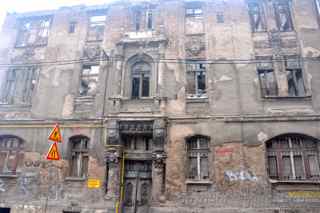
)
(294, 77)
(96, 27)
(33, 32)
(268, 82)
(194, 18)
(72, 27)
(19, 85)
(79, 156)
(257, 18)
(140, 80)
(293, 157)
(196, 78)
(283, 15)
(198, 164)
(10, 154)
(89, 80)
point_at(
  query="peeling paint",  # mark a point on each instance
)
(239, 175)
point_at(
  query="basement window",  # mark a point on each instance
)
(96, 27)
(33, 32)
(19, 85)
(198, 163)
(11, 154)
(257, 18)
(293, 157)
(89, 80)
(196, 79)
(79, 156)
(283, 15)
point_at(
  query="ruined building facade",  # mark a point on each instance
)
(165, 106)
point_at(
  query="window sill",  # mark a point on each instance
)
(3, 175)
(76, 179)
(198, 182)
(197, 99)
(274, 181)
(306, 97)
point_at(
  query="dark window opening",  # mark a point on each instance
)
(220, 17)
(293, 157)
(196, 79)
(149, 20)
(4, 210)
(137, 142)
(137, 20)
(72, 27)
(283, 16)
(79, 156)
(198, 152)
(257, 18)
(140, 80)
(295, 78)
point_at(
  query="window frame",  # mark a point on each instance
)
(91, 27)
(16, 151)
(88, 77)
(141, 75)
(198, 153)
(287, 5)
(202, 70)
(33, 31)
(80, 155)
(19, 93)
(285, 146)
(262, 16)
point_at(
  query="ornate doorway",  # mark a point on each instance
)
(138, 184)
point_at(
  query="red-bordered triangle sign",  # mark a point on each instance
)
(53, 153)
(55, 135)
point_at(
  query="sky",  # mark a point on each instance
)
(34, 5)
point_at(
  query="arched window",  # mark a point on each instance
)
(293, 157)
(198, 149)
(140, 73)
(10, 153)
(79, 156)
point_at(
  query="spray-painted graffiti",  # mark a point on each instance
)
(239, 176)
(28, 183)
(2, 186)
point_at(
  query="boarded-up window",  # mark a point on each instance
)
(79, 156)
(19, 85)
(296, 155)
(257, 18)
(89, 80)
(267, 78)
(140, 80)
(96, 27)
(196, 78)
(10, 154)
(198, 163)
(283, 15)
(33, 32)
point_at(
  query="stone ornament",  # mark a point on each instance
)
(112, 156)
(159, 158)
(194, 46)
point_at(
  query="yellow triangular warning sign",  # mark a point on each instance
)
(55, 135)
(53, 153)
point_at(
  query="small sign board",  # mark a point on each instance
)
(94, 183)
(53, 153)
(55, 135)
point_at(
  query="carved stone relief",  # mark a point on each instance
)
(194, 46)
